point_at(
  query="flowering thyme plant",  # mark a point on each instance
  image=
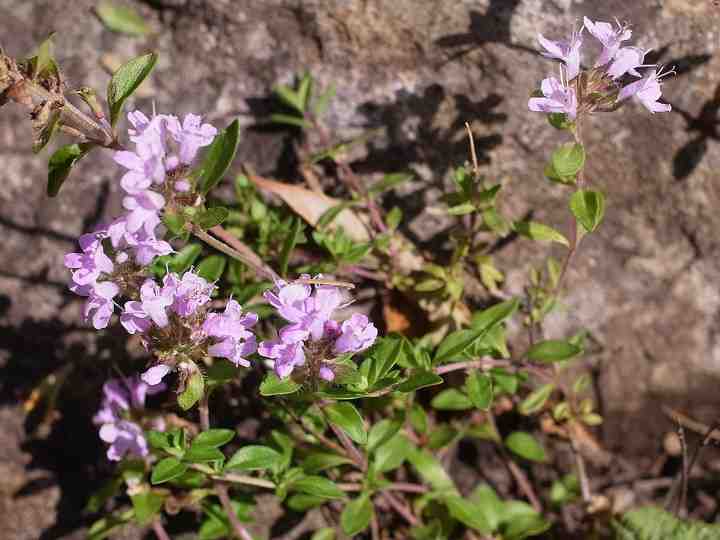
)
(353, 422)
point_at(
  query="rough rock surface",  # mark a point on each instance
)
(646, 285)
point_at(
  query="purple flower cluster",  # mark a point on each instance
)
(121, 398)
(157, 169)
(180, 302)
(309, 311)
(614, 62)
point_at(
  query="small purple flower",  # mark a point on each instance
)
(358, 333)
(627, 60)
(568, 51)
(231, 322)
(192, 292)
(191, 136)
(124, 436)
(155, 374)
(296, 303)
(558, 99)
(285, 356)
(647, 90)
(134, 318)
(143, 171)
(89, 264)
(155, 300)
(99, 306)
(326, 373)
(143, 209)
(610, 37)
(231, 326)
(235, 349)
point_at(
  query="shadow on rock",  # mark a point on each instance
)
(491, 27)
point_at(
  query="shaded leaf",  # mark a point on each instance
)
(526, 446)
(356, 515)
(122, 19)
(126, 80)
(219, 157)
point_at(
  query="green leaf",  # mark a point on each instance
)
(498, 224)
(302, 502)
(103, 527)
(418, 419)
(588, 207)
(62, 162)
(345, 416)
(462, 209)
(146, 504)
(214, 437)
(254, 458)
(289, 97)
(326, 533)
(568, 160)
(184, 258)
(212, 267)
(221, 372)
(98, 498)
(652, 523)
(174, 221)
(126, 80)
(304, 91)
(420, 379)
(44, 59)
(319, 486)
(44, 129)
(455, 343)
(526, 446)
(479, 389)
(538, 231)
(451, 399)
(520, 521)
(202, 454)
(122, 19)
(487, 504)
(356, 515)
(393, 218)
(323, 101)
(383, 356)
(559, 120)
(381, 432)
(391, 455)
(211, 217)
(316, 462)
(467, 513)
(219, 157)
(290, 120)
(431, 471)
(291, 240)
(388, 182)
(553, 350)
(193, 391)
(535, 401)
(329, 215)
(272, 385)
(167, 469)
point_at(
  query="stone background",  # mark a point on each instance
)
(646, 285)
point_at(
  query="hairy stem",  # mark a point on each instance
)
(237, 250)
(159, 530)
(240, 531)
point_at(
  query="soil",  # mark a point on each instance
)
(645, 286)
